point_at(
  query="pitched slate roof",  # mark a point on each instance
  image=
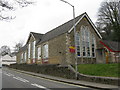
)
(112, 46)
(37, 36)
(59, 30)
(66, 27)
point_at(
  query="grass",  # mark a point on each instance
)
(107, 70)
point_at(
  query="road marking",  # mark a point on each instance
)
(52, 80)
(39, 86)
(59, 82)
(7, 74)
(10, 74)
(21, 79)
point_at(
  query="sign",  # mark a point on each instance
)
(72, 49)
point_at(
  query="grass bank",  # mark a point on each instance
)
(107, 70)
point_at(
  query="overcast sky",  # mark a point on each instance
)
(42, 17)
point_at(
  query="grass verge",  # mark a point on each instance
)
(107, 70)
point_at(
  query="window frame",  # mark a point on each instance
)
(45, 46)
(33, 49)
(77, 42)
(39, 53)
(86, 42)
(29, 48)
(93, 42)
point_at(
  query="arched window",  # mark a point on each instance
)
(85, 34)
(85, 43)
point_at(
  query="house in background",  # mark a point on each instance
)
(9, 59)
(111, 51)
(58, 46)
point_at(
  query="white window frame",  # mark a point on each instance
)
(21, 60)
(25, 57)
(29, 45)
(93, 42)
(77, 36)
(33, 49)
(45, 51)
(85, 42)
(39, 53)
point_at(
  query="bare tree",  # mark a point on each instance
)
(109, 20)
(10, 5)
(18, 46)
(5, 50)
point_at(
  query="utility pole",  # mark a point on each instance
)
(74, 36)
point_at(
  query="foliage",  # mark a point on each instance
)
(108, 70)
(11, 5)
(109, 20)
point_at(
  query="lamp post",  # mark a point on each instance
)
(74, 36)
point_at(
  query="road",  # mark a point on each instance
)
(14, 79)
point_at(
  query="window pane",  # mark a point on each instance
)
(78, 48)
(78, 53)
(77, 36)
(45, 51)
(29, 50)
(93, 54)
(39, 52)
(84, 54)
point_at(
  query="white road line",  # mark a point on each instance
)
(21, 79)
(10, 74)
(39, 86)
(7, 74)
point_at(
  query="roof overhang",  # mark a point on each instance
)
(29, 37)
(90, 21)
(108, 47)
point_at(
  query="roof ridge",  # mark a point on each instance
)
(36, 33)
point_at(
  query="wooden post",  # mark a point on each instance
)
(106, 57)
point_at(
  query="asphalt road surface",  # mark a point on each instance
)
(13, 79)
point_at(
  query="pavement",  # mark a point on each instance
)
(72, 81)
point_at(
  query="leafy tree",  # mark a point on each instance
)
(11, 5)
(5, 50)
(109, 20)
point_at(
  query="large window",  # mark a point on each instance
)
(21, 61)
(45, 51)
(33, 47)
(85, 33)
(25, 58)
(93, 46)
(77, 36)
(39, 53)
(29, 50)
(85, 43)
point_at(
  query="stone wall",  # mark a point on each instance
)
(57, 50)
(96, 79)
(70, 42)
